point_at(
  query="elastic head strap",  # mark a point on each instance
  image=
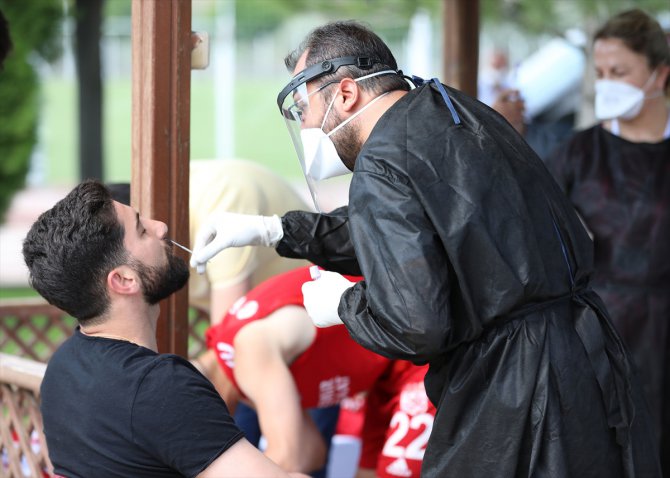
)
(324, 68)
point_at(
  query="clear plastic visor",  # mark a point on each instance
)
(298, 115)
(296, 105)
(302, 110)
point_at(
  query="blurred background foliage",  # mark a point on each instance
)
(40, 133)
(35, 26)
(44, 113)
(554, 16)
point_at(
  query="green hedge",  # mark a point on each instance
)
(33, 26)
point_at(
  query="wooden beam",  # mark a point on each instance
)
(161, 43)
(461, 44)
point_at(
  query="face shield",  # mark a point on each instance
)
(294, 104)
(329, 192)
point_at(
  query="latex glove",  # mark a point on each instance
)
(229, 229)
(322, 298)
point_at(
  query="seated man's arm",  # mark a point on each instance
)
(179, 418)
(208, 365)
(262, 351)
(244, 458)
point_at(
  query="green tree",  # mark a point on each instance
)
(259, 16)
(34, 28)
(548, 16)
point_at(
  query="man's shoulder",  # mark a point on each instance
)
(65, 354)
(168, 364)
(177, 382)
(424, 110)
(100, 358)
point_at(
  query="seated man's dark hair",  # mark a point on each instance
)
(72, 247)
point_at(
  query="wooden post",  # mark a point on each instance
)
(161, 39)
(461, 44)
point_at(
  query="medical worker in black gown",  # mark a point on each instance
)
(474, 261)
(617, 175)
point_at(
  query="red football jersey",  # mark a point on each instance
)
(398, 421)
(332, 368)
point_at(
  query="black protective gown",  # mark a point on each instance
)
(622, 191)
(475, 262)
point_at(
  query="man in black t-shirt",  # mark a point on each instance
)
(112, 406)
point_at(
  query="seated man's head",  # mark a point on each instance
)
(89, 249)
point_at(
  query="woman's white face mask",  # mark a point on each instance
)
(321, 158)
(618, 99)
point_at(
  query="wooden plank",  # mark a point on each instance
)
(461, 44)
(161, 38)
(21, 372)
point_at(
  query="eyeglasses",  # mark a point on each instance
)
(316, 71)
(297, 110)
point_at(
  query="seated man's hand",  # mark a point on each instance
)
(229, 229)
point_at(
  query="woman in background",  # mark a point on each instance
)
(617, 175)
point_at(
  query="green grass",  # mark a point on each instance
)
(17, 292)
(260, 133)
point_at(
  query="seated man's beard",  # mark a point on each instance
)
(159, 282)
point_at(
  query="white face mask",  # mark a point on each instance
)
(617, 99)
(321, 158)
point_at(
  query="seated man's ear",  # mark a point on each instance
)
(124, 280)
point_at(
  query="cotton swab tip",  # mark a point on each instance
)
(181, 247)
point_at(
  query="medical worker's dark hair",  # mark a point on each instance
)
(641, 34)
(349, 38)
(72, 247)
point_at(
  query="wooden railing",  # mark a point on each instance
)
(22, 445)
(30, 331)
(34, 329)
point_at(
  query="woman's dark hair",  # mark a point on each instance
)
(71, 248)
(641, 34)
(349, 38)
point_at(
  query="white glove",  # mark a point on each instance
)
(229, 229)
(322, 298)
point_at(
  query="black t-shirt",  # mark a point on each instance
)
(112, 408)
